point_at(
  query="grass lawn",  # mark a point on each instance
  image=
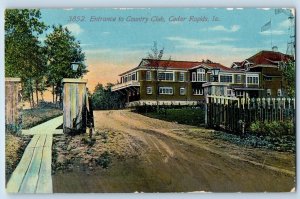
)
(35, 116)
(190, 116)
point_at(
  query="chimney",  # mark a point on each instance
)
(275, 49)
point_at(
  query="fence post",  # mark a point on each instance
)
(74, 105)
(205, 109)
(13, 117)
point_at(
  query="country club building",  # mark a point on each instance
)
(187, 82)
(269, 65)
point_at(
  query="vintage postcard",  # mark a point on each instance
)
(150, 100)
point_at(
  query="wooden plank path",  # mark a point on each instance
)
(48, 127)
(33, 173)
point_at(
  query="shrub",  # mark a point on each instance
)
(255, 127)
(104, 160)
(273, 129)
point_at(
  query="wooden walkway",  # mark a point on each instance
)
(48, 127)
(33, 173)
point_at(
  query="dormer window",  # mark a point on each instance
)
(200, 75)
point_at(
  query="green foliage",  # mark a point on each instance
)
(285, 143)
(62, 49)
(104, 160)
(24, 53)
(104, 99)
(289, 74)
(185, 115)
(273, 129)
(39, 64)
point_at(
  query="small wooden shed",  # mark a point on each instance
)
(13, 107)
(74, 105)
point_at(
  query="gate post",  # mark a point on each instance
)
(13, 117)
(74, 105)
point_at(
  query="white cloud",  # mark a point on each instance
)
(196, 43)
(233, 28)
(234, 8)
(284, 24)
(217, 44)
(274, 32)
(74, 28)
(185, 42)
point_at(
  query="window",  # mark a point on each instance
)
(229, 92)
(181, 77)
(225, 78)
(268, 92)
(148, 75)
(126, 78)
(268, 78)
(239, 93)
(182, 91)
(166, 90)
(198, 91)
(166, 76)
(193, 76)
(279, 93)
(238, 79)
(133, 77)
(200, 75)
(252, 79)
(149, 90)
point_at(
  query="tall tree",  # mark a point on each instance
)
(62, 49)
(289, 75)
(24, 55)
(104, 99)
(153, 64)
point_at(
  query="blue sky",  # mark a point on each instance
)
(113, 47)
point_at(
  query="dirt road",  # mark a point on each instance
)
(178, 158)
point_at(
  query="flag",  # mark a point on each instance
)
(265, 27)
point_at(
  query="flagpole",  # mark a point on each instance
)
(271, 33)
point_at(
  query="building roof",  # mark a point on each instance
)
(269, 58)
(182, 64)
(264, 58)
(173, 64)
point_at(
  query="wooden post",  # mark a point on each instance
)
(13, 117)
(206, 111)
(74, 105)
